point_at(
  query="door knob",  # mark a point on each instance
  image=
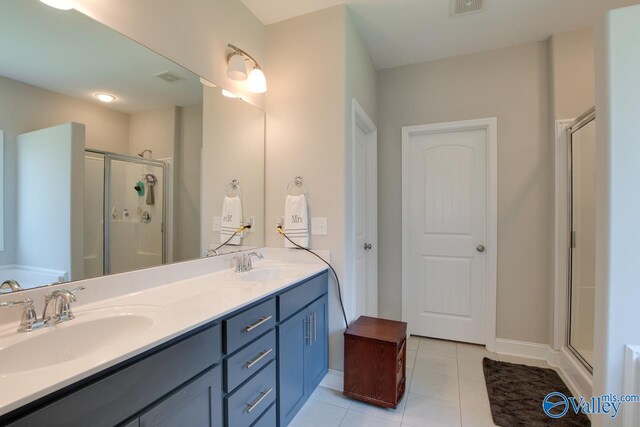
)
(367, 246)
(480, 248)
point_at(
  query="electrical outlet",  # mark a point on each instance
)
(280, 221)
(250, 220)
(319, 226)
(217, 223)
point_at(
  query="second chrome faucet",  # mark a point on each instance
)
(243, 262)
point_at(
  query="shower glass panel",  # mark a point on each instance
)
(583, 242)
(93, 215)
(136, 237)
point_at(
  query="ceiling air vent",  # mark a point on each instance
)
(169, 76)
(465, 7)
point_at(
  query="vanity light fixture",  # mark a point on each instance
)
(257, 82)
(59, 4)
(105, 97)
(237, 70)
(229, 94)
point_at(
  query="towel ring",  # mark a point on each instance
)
(233, 185)
(297, 182)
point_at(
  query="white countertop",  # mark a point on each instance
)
(177, 308)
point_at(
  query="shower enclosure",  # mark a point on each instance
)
(582, 223)
(124, 213)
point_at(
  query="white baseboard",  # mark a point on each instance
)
(333, 380)
(577, 378)
(527, 349)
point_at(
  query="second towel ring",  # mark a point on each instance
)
(233, 185)
(297, 182)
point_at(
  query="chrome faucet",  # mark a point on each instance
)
(57, 308)
(29, 321)
(243, 262)
(61, 301)
(12, 285)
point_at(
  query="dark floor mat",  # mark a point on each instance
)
(516, 393)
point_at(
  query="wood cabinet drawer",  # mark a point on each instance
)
(245, 405)
(248, 325)
(249, 360)
(290, 302)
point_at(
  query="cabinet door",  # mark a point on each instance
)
(199, 403)
(292, 345)
(317, 351)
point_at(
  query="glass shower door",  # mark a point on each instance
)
(583, 241)
(135, 212)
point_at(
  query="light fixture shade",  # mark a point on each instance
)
(228, 94)
(257, 81)
(236, 67)
(105, 97)
(59, 4)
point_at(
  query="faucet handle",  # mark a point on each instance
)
(29, 316)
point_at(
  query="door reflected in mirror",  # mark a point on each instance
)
(115, 158)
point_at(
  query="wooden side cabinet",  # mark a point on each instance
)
(375, 356)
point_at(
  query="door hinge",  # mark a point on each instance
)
(573, 240)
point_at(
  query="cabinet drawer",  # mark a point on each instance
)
(268, 419)
(245, 405)
(248, 325)
(249, 360)
(199, 403)
(113, 399)
(292, 301)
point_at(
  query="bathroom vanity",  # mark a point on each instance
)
(254, 365)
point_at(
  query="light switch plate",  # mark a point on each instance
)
(319, 226)
(217, 223)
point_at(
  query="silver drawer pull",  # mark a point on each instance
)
(263, 395)
(258, 323)
(259, 358)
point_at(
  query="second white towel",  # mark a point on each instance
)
(296, 221)
(231, 220)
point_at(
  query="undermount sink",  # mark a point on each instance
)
(266, 274)
(90, 332)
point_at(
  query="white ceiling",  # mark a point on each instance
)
(401, 32)
(69, 53)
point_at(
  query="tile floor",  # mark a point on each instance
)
(445, 389)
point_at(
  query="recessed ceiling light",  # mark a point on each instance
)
(105, 97)
(59, 4)
(229, 94)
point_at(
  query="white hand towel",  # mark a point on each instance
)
(296, 221)
(231, 220)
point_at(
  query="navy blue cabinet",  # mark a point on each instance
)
(243, 370)
(302, 347)
(196, 404)
(292, 348)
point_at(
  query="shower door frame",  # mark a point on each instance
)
(108, 156)
(578, 124)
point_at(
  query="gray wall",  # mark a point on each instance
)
(309, 131)
(511, 84)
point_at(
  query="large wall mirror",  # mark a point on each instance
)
(115, 158)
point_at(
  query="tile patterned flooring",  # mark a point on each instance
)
(445, 389)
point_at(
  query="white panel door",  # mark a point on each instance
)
(447, 277)
(365, 205)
